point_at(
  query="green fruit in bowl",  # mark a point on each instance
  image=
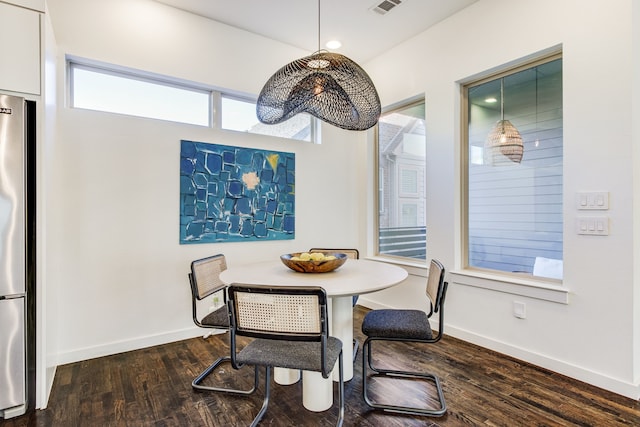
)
(317, 256)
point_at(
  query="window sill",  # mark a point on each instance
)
(512, 285)
(414, 268)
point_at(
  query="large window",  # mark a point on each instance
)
(113, 89)
(514, 208)
(401, 146)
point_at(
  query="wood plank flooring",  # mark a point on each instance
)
(152, 387)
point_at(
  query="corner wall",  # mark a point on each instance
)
(635, 85)
(594, 337)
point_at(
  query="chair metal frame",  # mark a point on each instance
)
(289, 326)
(436, 291)
(352, 254)
(204, 282)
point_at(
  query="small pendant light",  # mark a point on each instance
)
(504, 143)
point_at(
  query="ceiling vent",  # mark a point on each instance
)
(386, 6)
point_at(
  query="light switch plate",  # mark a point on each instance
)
(592, 200)
(593, 225)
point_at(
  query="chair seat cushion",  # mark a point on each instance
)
(290, 354)
(219, 317)
(402, 324)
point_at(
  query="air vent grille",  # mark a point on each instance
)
(386, 6)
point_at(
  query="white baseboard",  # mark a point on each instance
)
(576, 372)
(128, 345)
(363, 301)
(48, 385)
(581, 374)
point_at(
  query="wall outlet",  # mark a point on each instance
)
(519, 310)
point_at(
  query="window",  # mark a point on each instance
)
(240, 115)
(116, 92)
(513, 215)
(109, 88)
(401, 154)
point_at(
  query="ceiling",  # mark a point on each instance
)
(363, 32)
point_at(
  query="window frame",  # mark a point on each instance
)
(380, 206)
(314, 125)
(547, 289)
(73, 64)
(215, 95)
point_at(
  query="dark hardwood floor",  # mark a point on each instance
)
(152, 387)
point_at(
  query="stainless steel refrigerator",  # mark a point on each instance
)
(17, 236)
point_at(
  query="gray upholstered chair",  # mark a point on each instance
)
(408, 326)
(205, 282)
(289, 327)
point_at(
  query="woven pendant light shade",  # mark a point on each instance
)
(503, 144)
(326, 85)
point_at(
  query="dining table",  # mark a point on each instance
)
(354, 277)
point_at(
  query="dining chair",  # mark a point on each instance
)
(205, 282)
(288, 327)
(407, 326)
(352, 254)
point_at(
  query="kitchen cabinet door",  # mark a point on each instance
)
(20, 47)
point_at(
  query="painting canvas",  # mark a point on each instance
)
(233, 194)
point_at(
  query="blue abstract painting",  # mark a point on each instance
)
(233, 194)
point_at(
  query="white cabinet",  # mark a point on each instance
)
(29, 4)
(19, 49)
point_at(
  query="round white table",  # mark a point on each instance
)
(355, 277)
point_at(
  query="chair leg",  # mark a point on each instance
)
(368, 365)
(340, 390)
(356, 345)
(196, 384)
(267, 393)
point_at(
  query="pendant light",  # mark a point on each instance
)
(326, 85)
(504, 143)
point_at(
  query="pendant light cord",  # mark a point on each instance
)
(537, 140)
(502, 98)
(318, 25)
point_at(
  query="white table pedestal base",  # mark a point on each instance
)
(284, 376)
(341, 326)
(317, 392)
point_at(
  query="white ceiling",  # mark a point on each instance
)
(364, 33)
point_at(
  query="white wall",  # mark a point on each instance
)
(635, 85)
(113, 257)
(591, 338)
(46, 347)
